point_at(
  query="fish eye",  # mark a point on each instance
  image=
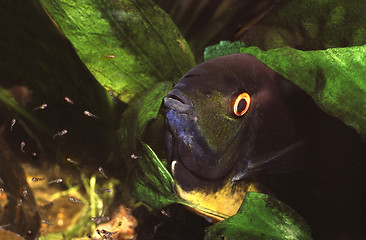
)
(241, 104)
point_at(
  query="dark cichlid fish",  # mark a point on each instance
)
(233, 125)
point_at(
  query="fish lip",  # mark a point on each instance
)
(176, 105)
(178, 101)
(179, 95)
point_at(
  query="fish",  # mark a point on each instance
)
(25, 192)
(13, 121)
(47, 223)
(100, 169)
(58, 180)
(89, 114)
(36, 179)
(71, 161)
(134, 156)
(22, 146)
(69, 101)
(60, 133)
(75, 200)
(233, 125)
(110, 56)
(100, 218)
(41, 107)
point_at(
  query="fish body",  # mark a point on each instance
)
(89, 114)
(60, 133)
(75, 200)
(36, 179)
(41, 107)
(13, 121)
(69, 101)
(233, 125)
(58, 180)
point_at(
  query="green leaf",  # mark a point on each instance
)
(128, 45)
(261, 217)
(222, 49)
(153, 185)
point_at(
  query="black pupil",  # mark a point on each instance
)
(241, 106)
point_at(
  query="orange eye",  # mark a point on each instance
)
(241, 104)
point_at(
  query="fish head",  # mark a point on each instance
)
(205, 130)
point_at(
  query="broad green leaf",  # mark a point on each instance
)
(223, 48)
(261, 217)
(128, 45)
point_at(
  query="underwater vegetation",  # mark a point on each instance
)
(120, 120)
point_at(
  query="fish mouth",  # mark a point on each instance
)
(185, 143)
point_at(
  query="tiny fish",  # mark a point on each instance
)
(20, 202)
(13, 121)
(71, 161)
(41, 107)
(133, 156)
(103, 189)
(89, 114)
(118, 225)
(74, 200)
(98, 231)
(111, 94)
(35, 179)
(22, 145)
(165, 213)
(25, 192)
(101, 218)
(67, 99)
(100, 169)
(58, 180)
(5, 226)
(2, 191)
(110, 56)
(61, 133)
(108, 190)
(46, 222)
